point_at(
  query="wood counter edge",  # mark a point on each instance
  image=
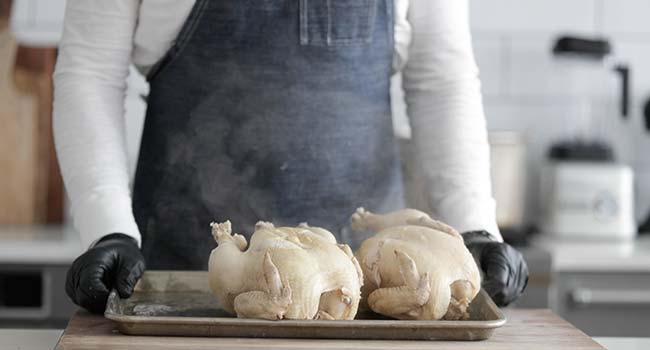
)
(528, 329)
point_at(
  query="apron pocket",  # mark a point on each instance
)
(337, 22)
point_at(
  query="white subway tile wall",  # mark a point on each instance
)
(625, 16)
(540, 122)
(534, 15)
(527, 89)
(494, 70)
(37, 22)
(533, 71)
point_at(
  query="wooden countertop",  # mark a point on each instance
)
(528, 329)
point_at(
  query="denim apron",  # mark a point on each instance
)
(273, 110)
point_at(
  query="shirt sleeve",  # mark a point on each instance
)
(89, 125)
(444, 104)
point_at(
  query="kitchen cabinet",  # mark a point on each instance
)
(33, 296)
(537, 293)
(605, 303)
(603, 288)
(33, 265)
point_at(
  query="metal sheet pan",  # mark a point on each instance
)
(179, 303)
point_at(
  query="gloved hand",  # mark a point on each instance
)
(505, 273)
(114, 262)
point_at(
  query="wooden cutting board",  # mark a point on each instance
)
(528, 329)
(18, 149)
(31, 190)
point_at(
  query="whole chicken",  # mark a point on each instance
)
(415, 267)
(286, 272)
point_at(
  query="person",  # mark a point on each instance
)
(273, 110)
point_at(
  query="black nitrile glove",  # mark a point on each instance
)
(114, 262)
(505, 273)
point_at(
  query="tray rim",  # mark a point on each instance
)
(234, 321)
(483, 325)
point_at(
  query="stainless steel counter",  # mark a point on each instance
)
(29, 339)
(624, 343)
(597, 256)
(58, 245)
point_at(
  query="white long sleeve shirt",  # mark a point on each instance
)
(102, 38)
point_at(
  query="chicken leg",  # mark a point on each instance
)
(271, 304)
(405, 299)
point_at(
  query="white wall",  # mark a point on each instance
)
(37, 22)
(526, 89)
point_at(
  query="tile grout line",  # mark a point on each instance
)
(599, 16)
(506, 62)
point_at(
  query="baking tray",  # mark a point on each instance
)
(179, 303)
